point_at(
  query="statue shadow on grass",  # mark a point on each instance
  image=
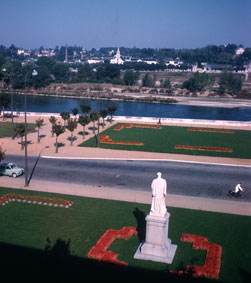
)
(141, 223)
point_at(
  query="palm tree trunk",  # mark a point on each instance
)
(83, 132)
(56, 144)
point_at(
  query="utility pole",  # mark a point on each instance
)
(26, 184)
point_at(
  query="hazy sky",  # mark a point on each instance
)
(128, 23)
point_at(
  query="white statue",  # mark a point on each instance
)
(158, 207)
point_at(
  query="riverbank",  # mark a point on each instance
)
(146, 96)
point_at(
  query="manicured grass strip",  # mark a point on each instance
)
(6, 128)
(32, 229)
(165, 139)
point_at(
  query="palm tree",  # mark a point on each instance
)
(65, 116)
(83, 121)
(111, 110)
(71, 126)
(75, 111)
(94, 117)
(58, 129)
(39, 124)
(103, 114)
(53, 121)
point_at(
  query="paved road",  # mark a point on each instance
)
(191, 179)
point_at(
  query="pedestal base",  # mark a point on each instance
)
(157, 246)
(166, 259)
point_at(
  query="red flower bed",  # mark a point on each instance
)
(127, 126)
(106, 139)
(35, 200)
(203, 148)
(210, 130)
(99, 251)
(211, 268)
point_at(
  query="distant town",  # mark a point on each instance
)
(142, 67)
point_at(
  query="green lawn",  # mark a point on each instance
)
(27, 230)
(6, 128)
(165, 139)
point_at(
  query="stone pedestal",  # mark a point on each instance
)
(157, 245)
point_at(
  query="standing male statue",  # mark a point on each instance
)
(158, 207)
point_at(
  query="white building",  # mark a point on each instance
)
(95, 61)
(150, 62)
(239, 51)
(117, 59)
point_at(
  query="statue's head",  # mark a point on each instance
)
(159, 174)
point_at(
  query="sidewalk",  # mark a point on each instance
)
(205, 204)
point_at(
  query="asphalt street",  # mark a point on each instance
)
(191, 179)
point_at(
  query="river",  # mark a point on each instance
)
(50, 104)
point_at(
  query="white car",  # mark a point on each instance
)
(11, 169)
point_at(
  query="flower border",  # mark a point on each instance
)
(99, 251)
(127, 126)
(208, 130)
(204, 148)
(106, 140)
(212, 265)
(35, 200)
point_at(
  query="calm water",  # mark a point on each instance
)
(56, 105)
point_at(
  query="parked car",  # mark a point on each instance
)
(10, 169)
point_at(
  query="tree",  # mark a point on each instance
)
(85, 72)
(65, 116)
(94, 117)
(103, 115)
(75, 111)
(58, 129)
(2, 153)
(148, 81)
(71, 126)
(130, 77)
(39, 124)
(85, 108)
(53, 121)
(20, 130)
(111, 110)
(166, 84)
(199, 82)
(61, 72)
(83, 121)
(48, 62)
(229, 83)
(43, 77)
(4, 101)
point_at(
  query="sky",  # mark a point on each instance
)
(128, 23)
